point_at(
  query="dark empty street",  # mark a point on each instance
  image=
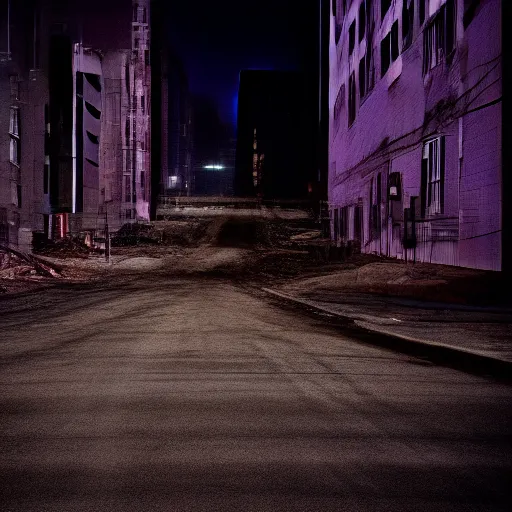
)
(194, 395)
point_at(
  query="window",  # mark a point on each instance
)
(336, 224)
(46, 173)
(144, 15)
(143, 104)
(351, 37)
(136, 42)
(344, 222)
(340, 101)
(351, 99)
(146, 57)
(362, 20)
(18, 194)
(389, 50)
(394, 41)
(14, 125)
(135, 12)
(142, 179)
(128, 213)
(127, 131)
(384, 7)
(14, 132)
(362, 78)
(407, 22)
(127, 189)
(339, 9)
(422, 10)
(385, 55)
(439, 37)
(15, 87)
(432, 177)
(358, 217)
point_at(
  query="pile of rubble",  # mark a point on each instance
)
(62, 248)
(17, 266)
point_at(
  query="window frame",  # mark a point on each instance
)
(433, 176)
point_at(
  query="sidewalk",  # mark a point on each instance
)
(385, 306)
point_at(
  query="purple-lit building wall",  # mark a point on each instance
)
(415, 129)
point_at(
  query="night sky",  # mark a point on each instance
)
(216, 40)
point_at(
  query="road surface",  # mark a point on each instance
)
(195, 395)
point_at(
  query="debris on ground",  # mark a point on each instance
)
(67, 247)
(17, 268)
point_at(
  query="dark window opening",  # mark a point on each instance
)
(362, 78)
(422, 11)
(384, 7)
(407, 23)
(127, 132)
(394, 41)
(93, 138)
(385, 54)
(146, 57)
(351, 37)
(94, 80)
(351, 99)
(362, 20)
(143, 104)
(45, 179)
(142, 179)
(135, 12)
(95, 164)
(144, 15)
(92, 110)
(18, 193)
(333, 6)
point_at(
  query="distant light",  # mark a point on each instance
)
(216, 167)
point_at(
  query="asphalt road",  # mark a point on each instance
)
(192, 395)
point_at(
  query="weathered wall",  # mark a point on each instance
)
(407, 107)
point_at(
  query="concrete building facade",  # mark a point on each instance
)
(74, 118)
(415, 139)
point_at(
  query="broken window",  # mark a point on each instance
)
(351, 37)
(351, 99)
(432, 177)
(384, 7)
(439, 37)
(407, 22)
(362, 20)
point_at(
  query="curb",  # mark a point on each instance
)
(466, 360)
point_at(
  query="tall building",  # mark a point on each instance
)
(176, 171)
(275, 143)
(82, 82)
(415, 137)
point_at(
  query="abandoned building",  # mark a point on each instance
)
(74, 118)
(415, 114)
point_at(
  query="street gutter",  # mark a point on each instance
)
(462, 359)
